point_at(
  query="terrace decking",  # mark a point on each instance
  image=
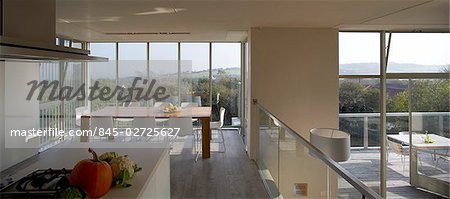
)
(365, 165)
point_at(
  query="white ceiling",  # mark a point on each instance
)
(228, 20)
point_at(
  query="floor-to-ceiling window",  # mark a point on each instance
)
(359, 108)
(104, 74)
(60, 111)
(418, 98)
(417, 104)
(164, 68)
(226, 80)
(132, 64)
(198, 54)
(206, 73)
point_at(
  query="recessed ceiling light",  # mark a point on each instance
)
(90, 20)
(161, 11)
(62, 21)
(111, 19)
(147, 33)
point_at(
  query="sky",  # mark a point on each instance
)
(224, 55)
(417, 48)
(411, 48)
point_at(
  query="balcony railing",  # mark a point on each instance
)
(56, 115)
(364, 127)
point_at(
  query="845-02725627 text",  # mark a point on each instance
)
(129, 132)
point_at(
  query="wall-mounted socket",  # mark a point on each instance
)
(300, 189)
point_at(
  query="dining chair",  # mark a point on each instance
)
(197, 99)
(407, 132)
(186, 129)
(173, 99)
(444, 157)
(161, 105)
(134, 104)
(145, 122)
(126, 120)
(398, 149)
(151, 102)
(104, 123)
(79, 111)
(277, 125)
(217, 125)
(128, 104)
(189, 104)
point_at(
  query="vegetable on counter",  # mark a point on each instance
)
(108, 156)
(92, 175)
(123, 169)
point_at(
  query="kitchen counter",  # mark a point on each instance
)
(153, 181)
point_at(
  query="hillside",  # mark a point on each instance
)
(374, 68)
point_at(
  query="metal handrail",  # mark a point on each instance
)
(394, 114)
(350, 178)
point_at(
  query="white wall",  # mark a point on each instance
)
(17, 112)
(294, 74)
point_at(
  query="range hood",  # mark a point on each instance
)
(19, 49)
(28, 32)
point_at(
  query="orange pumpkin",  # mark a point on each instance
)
(92, 175)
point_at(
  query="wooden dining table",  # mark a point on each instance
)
(203, 114)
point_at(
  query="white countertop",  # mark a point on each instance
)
(147, 158)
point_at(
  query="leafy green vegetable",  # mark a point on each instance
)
(123, 169)
(123, 181)
(72, 192)
(137, 168)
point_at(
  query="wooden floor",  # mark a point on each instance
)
(225, 175)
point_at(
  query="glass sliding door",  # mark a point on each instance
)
(397, 127)
(226, 80)
(429, 120)
(422, 60)
(74, 77)
(60, 113)
(104, 74)
(164, 68)
(417, 100)
(359, 103)
(132, 64)
(198, 55)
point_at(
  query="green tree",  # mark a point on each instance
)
(426, 95)
(357, 98)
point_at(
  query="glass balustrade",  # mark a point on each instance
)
(292, 167)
